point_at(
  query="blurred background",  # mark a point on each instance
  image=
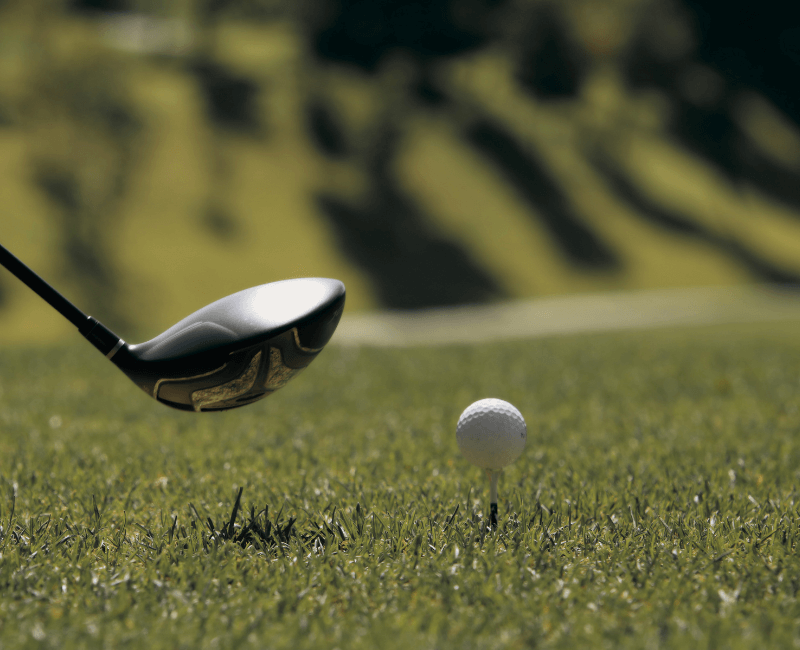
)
(157, 156)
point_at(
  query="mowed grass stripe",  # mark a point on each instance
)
(655, 504)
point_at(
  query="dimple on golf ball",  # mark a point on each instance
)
(491, 433)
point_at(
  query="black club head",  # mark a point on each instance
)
(238, 349)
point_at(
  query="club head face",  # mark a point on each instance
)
(239, 349)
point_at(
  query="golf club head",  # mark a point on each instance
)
(238, 349)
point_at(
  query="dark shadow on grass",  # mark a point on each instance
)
(550, 66)
(230, 99)
(576, 240)
(325, 130)
(739, 51)
(760, 268)
(362, 34)
(410, 265)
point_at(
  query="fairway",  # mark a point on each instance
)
(655, 505)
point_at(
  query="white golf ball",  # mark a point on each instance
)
(491, 433)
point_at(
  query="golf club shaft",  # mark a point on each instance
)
(97, 334)
(44, 290)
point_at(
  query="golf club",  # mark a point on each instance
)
(230, 353)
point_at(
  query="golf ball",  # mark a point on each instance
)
(491, 433)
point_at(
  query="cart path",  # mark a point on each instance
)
(602, 312)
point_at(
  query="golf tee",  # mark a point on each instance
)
(494, 475)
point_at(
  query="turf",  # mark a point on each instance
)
(665, 217)
(655, 505)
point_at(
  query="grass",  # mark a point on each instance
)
(656, 504)
(270, 182)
